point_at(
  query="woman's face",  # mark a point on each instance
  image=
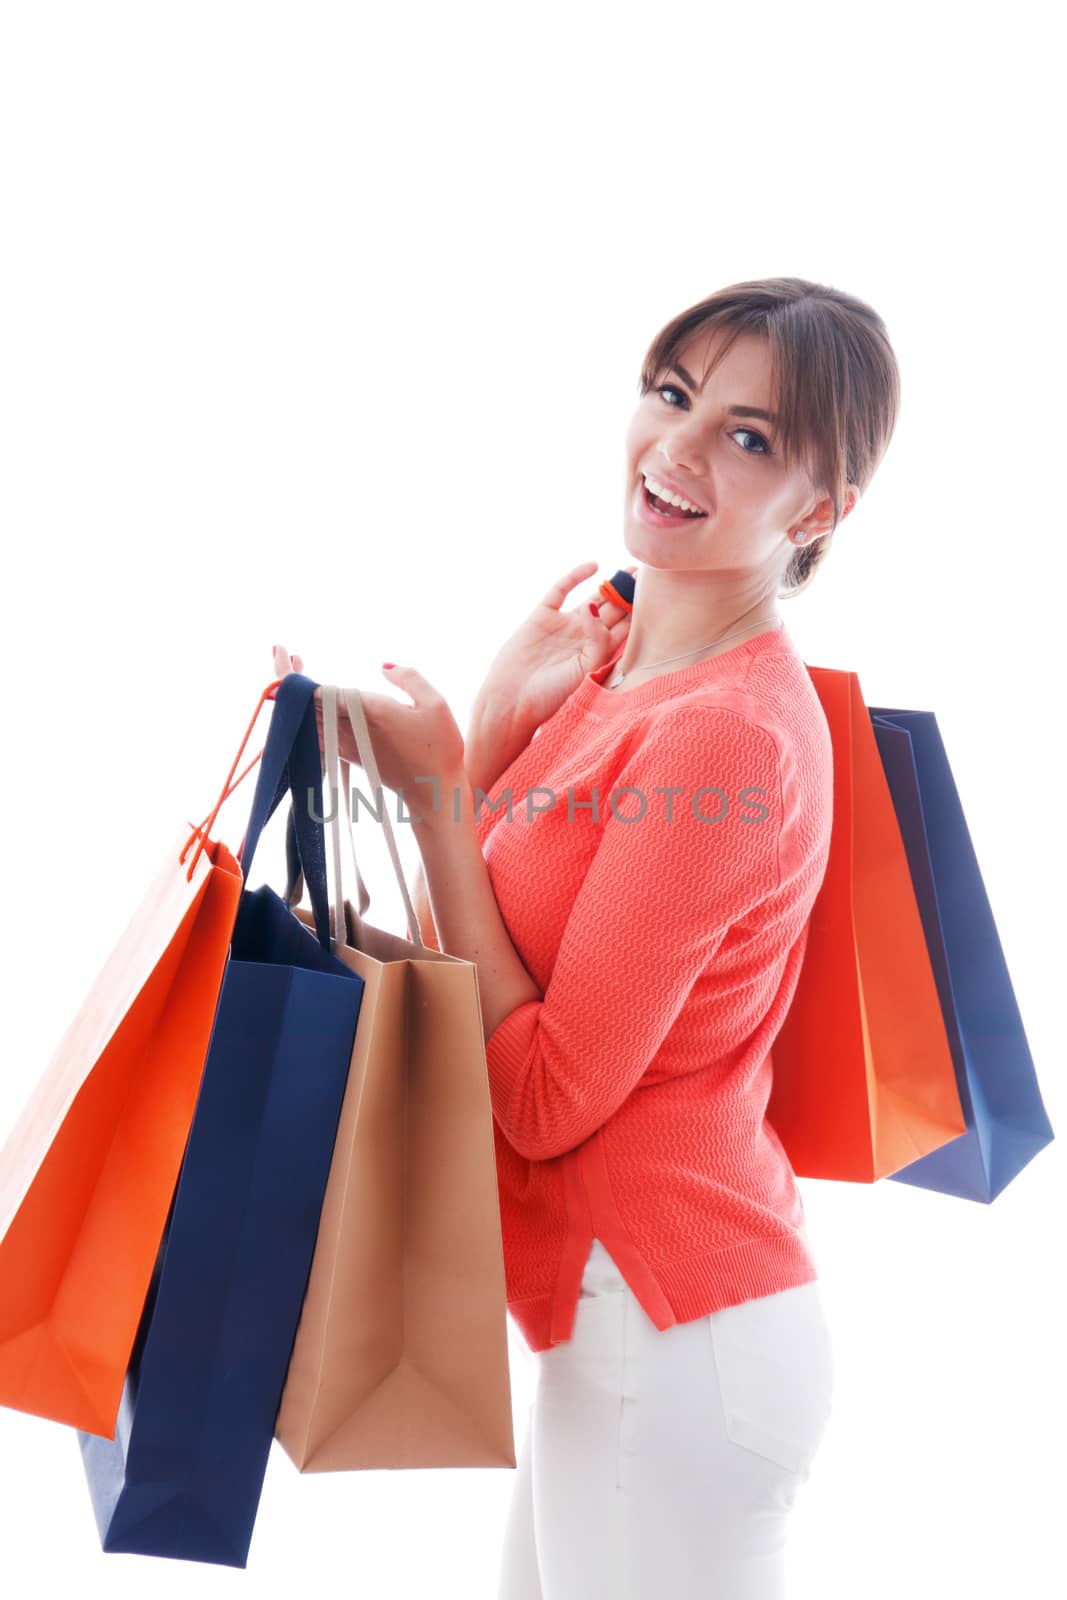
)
(687, 434)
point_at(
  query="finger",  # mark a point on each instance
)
(558, 591)
(611, 610)
(413, 683)
(282, 664)
(298, 663)
(607, 611)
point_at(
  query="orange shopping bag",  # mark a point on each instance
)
(88, 1172)
(863, 1081)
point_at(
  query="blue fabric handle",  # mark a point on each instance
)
(305, 784)
(623, 584)
(293, 864)
(292, 763)
(292, 697)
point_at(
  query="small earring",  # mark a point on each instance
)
(798, 538)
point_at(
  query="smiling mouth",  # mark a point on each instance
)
(664, 509)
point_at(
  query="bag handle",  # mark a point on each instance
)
(295, 881)
(200, 827)
(301, 774)
(285, 754)
(357, 716)
(228, 787)
(290, 762)
(364, 747)
(285, 726)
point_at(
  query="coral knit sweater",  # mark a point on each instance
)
(666, 934)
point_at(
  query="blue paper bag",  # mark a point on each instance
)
(1006, 1119)
(183, 1475)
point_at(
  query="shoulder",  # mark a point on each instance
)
(722, 719)
(746, 734)
(777, 699)
(700, 741)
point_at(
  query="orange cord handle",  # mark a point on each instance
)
(609, 591)
(229, 786)
(236, 784)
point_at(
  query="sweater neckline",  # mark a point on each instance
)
(591, 694)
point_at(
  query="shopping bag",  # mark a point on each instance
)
(88, 1172)
(1007, 1123)
(183, 1476)
(863, 1077)
(401, 1356)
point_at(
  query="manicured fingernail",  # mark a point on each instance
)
(595, 609)
(388, 664)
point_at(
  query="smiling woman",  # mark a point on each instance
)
(727, 517)
(635, 967)
(834, 376)
(657, 1255)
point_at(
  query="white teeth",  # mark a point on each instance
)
(661, 492)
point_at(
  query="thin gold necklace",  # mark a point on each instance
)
(620, 675)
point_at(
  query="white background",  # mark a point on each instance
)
(321, 324)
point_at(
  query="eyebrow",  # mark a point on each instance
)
(733, 411)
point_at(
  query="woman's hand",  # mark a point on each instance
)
(284, 662)
(546, 659)
(409, 742)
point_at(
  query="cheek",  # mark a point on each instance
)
(647, 424)
(636, 443)
(768, 489)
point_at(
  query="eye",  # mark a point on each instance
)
(764, 450)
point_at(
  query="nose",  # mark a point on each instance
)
(682, 450)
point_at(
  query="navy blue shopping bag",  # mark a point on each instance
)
(999, 1093)
(183, 1475)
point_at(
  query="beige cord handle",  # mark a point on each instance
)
(333, 805)
(363, 902)
(365, 749)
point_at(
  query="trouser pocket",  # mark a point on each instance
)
(774, 1363)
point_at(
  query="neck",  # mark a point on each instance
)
(675, 613)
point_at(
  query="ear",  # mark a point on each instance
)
(820, 520)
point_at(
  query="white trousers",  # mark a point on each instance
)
(665, 1463)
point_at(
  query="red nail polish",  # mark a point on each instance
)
(388, 664)
(595, 609)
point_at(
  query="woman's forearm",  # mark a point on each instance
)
(496, 735)
(467, 917)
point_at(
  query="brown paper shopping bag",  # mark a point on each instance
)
(401, 1355)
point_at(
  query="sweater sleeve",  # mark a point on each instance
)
(659, 897)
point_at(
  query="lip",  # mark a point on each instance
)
(654, 519)
(676, 488)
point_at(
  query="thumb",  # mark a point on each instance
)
(406, 678)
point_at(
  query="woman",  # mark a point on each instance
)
(636, 958)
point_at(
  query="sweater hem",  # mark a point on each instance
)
(684, 1291)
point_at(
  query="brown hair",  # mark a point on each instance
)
(836, 382)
